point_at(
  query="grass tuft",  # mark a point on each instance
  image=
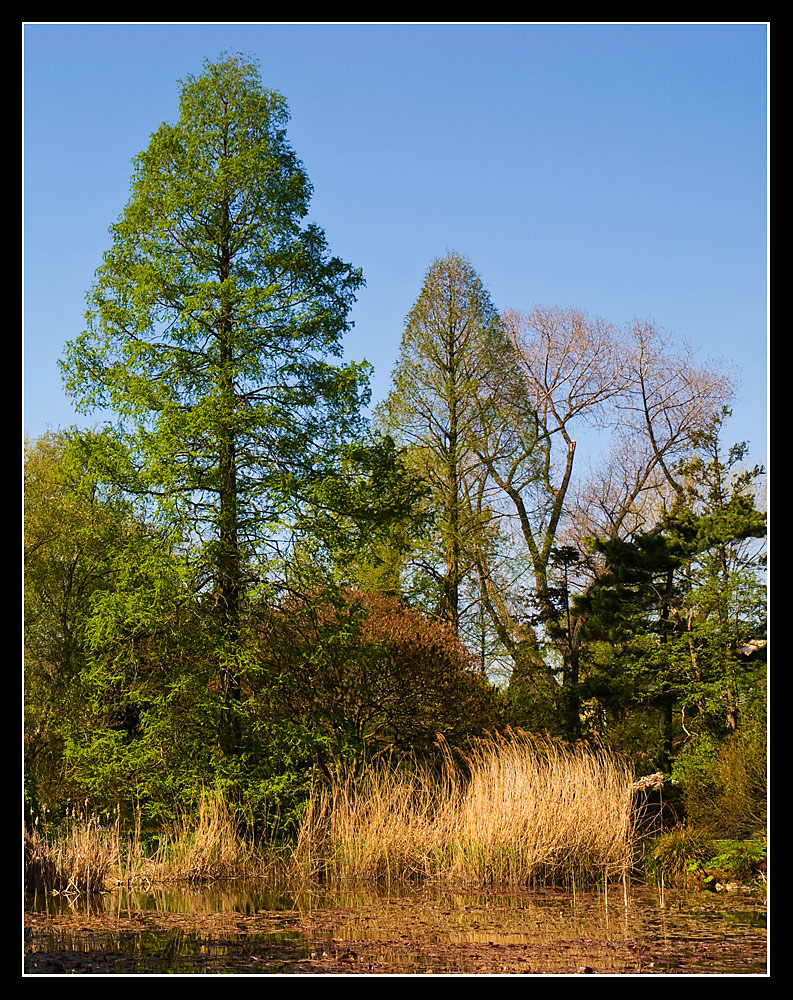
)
(212, 845)
(82, 856)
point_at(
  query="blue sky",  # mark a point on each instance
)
(620, 169)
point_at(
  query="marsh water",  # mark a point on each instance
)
(249, 928)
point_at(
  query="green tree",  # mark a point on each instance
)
(452, 342)
(718, 532)
(79, 537)
(213, 323)
(71, 534)
(214, 332)
(677, 618)
(357, 525)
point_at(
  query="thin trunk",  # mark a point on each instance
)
(451, 582)
(667, 699)
(228, 560)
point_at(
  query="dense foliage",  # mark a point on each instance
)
(368, 666)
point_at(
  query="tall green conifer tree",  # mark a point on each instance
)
(451, 345)
(211, 323)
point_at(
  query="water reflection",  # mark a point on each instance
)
(262, 928)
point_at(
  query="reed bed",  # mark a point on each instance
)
(213, 845)
(516, 810)
(83, 856)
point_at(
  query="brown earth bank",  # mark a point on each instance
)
(488, 934)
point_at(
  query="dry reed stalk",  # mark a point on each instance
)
(529, 810)
(40, 871)
(83, 857)
(213, 846)
(535, 807)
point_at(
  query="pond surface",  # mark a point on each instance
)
(248, 928)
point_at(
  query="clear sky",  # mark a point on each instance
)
(620, 169)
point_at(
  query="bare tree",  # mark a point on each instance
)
(574, 374)
(494, 411)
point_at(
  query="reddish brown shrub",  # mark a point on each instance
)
(368, 666)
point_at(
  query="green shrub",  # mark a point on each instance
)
(741, 861)
(724, 783)
(677, 855)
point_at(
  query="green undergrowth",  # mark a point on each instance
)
(688, 858)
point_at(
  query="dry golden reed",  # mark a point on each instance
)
(516, 810)
(212, 845)
(84, 856)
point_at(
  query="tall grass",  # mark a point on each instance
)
(84, 856)
(214, 844)
(514, 810)
(517, 810)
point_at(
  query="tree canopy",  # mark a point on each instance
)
(239, 477)
(452, 346)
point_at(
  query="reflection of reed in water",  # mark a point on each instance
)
(415, 929)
